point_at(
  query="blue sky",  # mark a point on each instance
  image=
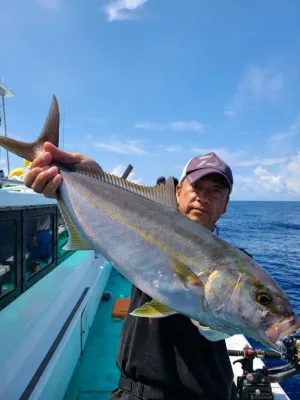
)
(156, 82)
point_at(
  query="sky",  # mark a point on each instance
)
(156, 82)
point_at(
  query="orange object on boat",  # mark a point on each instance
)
(121, 307)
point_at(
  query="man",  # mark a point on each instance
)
(165, 358)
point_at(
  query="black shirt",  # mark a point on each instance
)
(170, 354)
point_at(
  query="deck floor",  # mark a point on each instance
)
(96, 374)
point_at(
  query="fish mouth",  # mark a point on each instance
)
(283, 328)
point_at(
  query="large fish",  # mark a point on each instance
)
(181, 265)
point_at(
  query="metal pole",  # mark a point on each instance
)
(127, 171)
(5, 133)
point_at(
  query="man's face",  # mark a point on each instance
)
(204, 201)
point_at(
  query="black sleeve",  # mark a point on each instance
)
(161, 180)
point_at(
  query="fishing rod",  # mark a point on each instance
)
(256, 384)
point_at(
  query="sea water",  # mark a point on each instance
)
(270, 232)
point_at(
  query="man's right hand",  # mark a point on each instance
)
(45, 179)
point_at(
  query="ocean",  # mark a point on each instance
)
(270, 232)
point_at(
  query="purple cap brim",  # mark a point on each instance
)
(192, 177)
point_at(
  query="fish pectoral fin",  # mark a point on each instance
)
(209, 333)
(153, 309)
(76, 241)
(184, 274)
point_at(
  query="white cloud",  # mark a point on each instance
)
(273, 161)
(262, 83)
(277, 141)
(256, 85)
(283, 183)
(119, 170)
(260, 183)
(292, 174)
(230, 113)
(296, 125)
(129, 147)
(272, 177)
(283, 141)
(179, 126)
(241, 158)
(271, 182)
(50, 5)
(119, 10)
(173, 149)
(260, 161)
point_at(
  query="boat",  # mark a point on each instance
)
(59, 336)
(48, 296)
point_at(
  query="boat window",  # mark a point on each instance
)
(39, 243)
(62, 234)
(7, 256)
(31, 245)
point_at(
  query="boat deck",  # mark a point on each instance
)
(96, 374)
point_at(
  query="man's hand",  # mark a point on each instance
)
(45, 179)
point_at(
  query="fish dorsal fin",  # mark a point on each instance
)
(76, 241)
(163, 194)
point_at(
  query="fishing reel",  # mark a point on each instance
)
(256, 384)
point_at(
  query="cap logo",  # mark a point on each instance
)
(216, 163)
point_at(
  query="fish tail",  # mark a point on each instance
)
(50, 133)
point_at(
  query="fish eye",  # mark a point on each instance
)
(263, 298)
